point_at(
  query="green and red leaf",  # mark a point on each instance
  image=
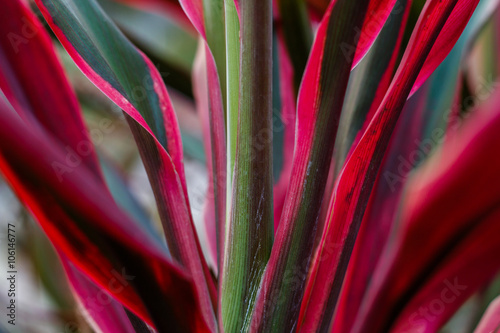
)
(460, 248)
(208, 18)
(92, 231)
(86, 226)
(381, 211)
(318, 111)
(110, 317)
(353, 188)
(128, 78)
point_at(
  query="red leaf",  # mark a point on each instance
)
(135, 85)
(447, 38)
(194, 11)
(461, 236)
(104, 311)
(377, 14)
(54, 107)
(380, 213)
(318, 110)
(27, 58)
(464, 271)
(82, 220)
(356, 181)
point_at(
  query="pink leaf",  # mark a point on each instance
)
(491, 318)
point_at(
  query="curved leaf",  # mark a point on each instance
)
(318, 110)
(109, 317)
(208, 18)
(92, 231)
(128, 78)
(461, 236)
(448, 36)
(27, 56)
(352, 191)
(380, 212)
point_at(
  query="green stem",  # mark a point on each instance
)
(233, 89)
(250, 231)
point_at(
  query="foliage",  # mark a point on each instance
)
(349, 145)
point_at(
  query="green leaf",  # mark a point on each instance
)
(158, 34)
(297, 33)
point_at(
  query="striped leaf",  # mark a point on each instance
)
(92, 231)
(352, 191)
(208, 18)
(318, 111)
(459, 249)
(130, 80)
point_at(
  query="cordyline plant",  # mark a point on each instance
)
(349, 189)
